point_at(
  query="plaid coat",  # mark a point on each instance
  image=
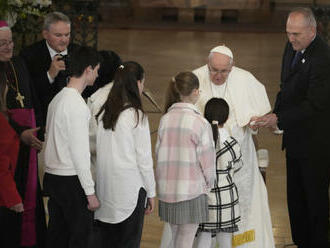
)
(185, 154)
(223, 198)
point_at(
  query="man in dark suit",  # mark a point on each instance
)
(44, 59)
(302, 111)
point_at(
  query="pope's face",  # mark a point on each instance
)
(300, 33)
(6, 45)
(58, 36)
(220, 66)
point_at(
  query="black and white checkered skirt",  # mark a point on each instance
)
(223, 208)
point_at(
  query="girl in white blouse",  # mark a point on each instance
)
(124, 170)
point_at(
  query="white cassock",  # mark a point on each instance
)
(246, 97)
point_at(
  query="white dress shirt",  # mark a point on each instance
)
(124, 165)
(67, 142)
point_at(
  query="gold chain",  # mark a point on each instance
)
(19, 97)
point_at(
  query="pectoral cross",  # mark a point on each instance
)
(20, 98)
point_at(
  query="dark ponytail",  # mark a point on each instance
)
(216, 112)
(215, 131)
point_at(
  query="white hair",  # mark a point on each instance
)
(308, 15)
(231, 60)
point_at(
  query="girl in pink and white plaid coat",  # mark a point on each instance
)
(185, 153)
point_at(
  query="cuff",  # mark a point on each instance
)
(50, 78)
(151, 193)
(86, 181)
(12, 198)
(89, 191)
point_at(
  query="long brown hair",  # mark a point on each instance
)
(123, 95)
(181, 85)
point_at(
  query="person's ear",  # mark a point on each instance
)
(232, 64)
(45, 34)
(313, 31)
(88, 70)
(196, 92)
(139, 84)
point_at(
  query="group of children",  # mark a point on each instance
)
(196, 162)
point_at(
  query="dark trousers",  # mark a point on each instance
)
(126, 234)
(308, 201)
(70, 221)
(10, 228)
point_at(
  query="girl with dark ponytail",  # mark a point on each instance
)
(223, 198)
(124, 169)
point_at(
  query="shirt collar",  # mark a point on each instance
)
(302, 51)
(185, 105)
(52, 52)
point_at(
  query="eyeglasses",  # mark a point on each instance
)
(6, 43)
(222, 72)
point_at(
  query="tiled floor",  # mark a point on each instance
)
(165, 53)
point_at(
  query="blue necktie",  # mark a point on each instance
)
(296, 58)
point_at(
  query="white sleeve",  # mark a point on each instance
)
(92, 128)
(144, 157)
(79, 148)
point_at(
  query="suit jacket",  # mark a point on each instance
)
(38, 60)
(303, 103)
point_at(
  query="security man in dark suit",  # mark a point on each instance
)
(46, 59)
(302, 111)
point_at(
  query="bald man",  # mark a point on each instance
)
(246, 97)
(302, 110)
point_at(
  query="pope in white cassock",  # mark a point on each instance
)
(247, 98)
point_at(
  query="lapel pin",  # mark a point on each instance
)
(303, 61)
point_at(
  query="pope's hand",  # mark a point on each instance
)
(269, 120)
(253, 123)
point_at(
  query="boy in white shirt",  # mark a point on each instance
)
(68, 180)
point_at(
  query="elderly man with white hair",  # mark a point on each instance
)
(247, 98)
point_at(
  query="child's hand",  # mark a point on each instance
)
(150, 206)
(93, 202)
